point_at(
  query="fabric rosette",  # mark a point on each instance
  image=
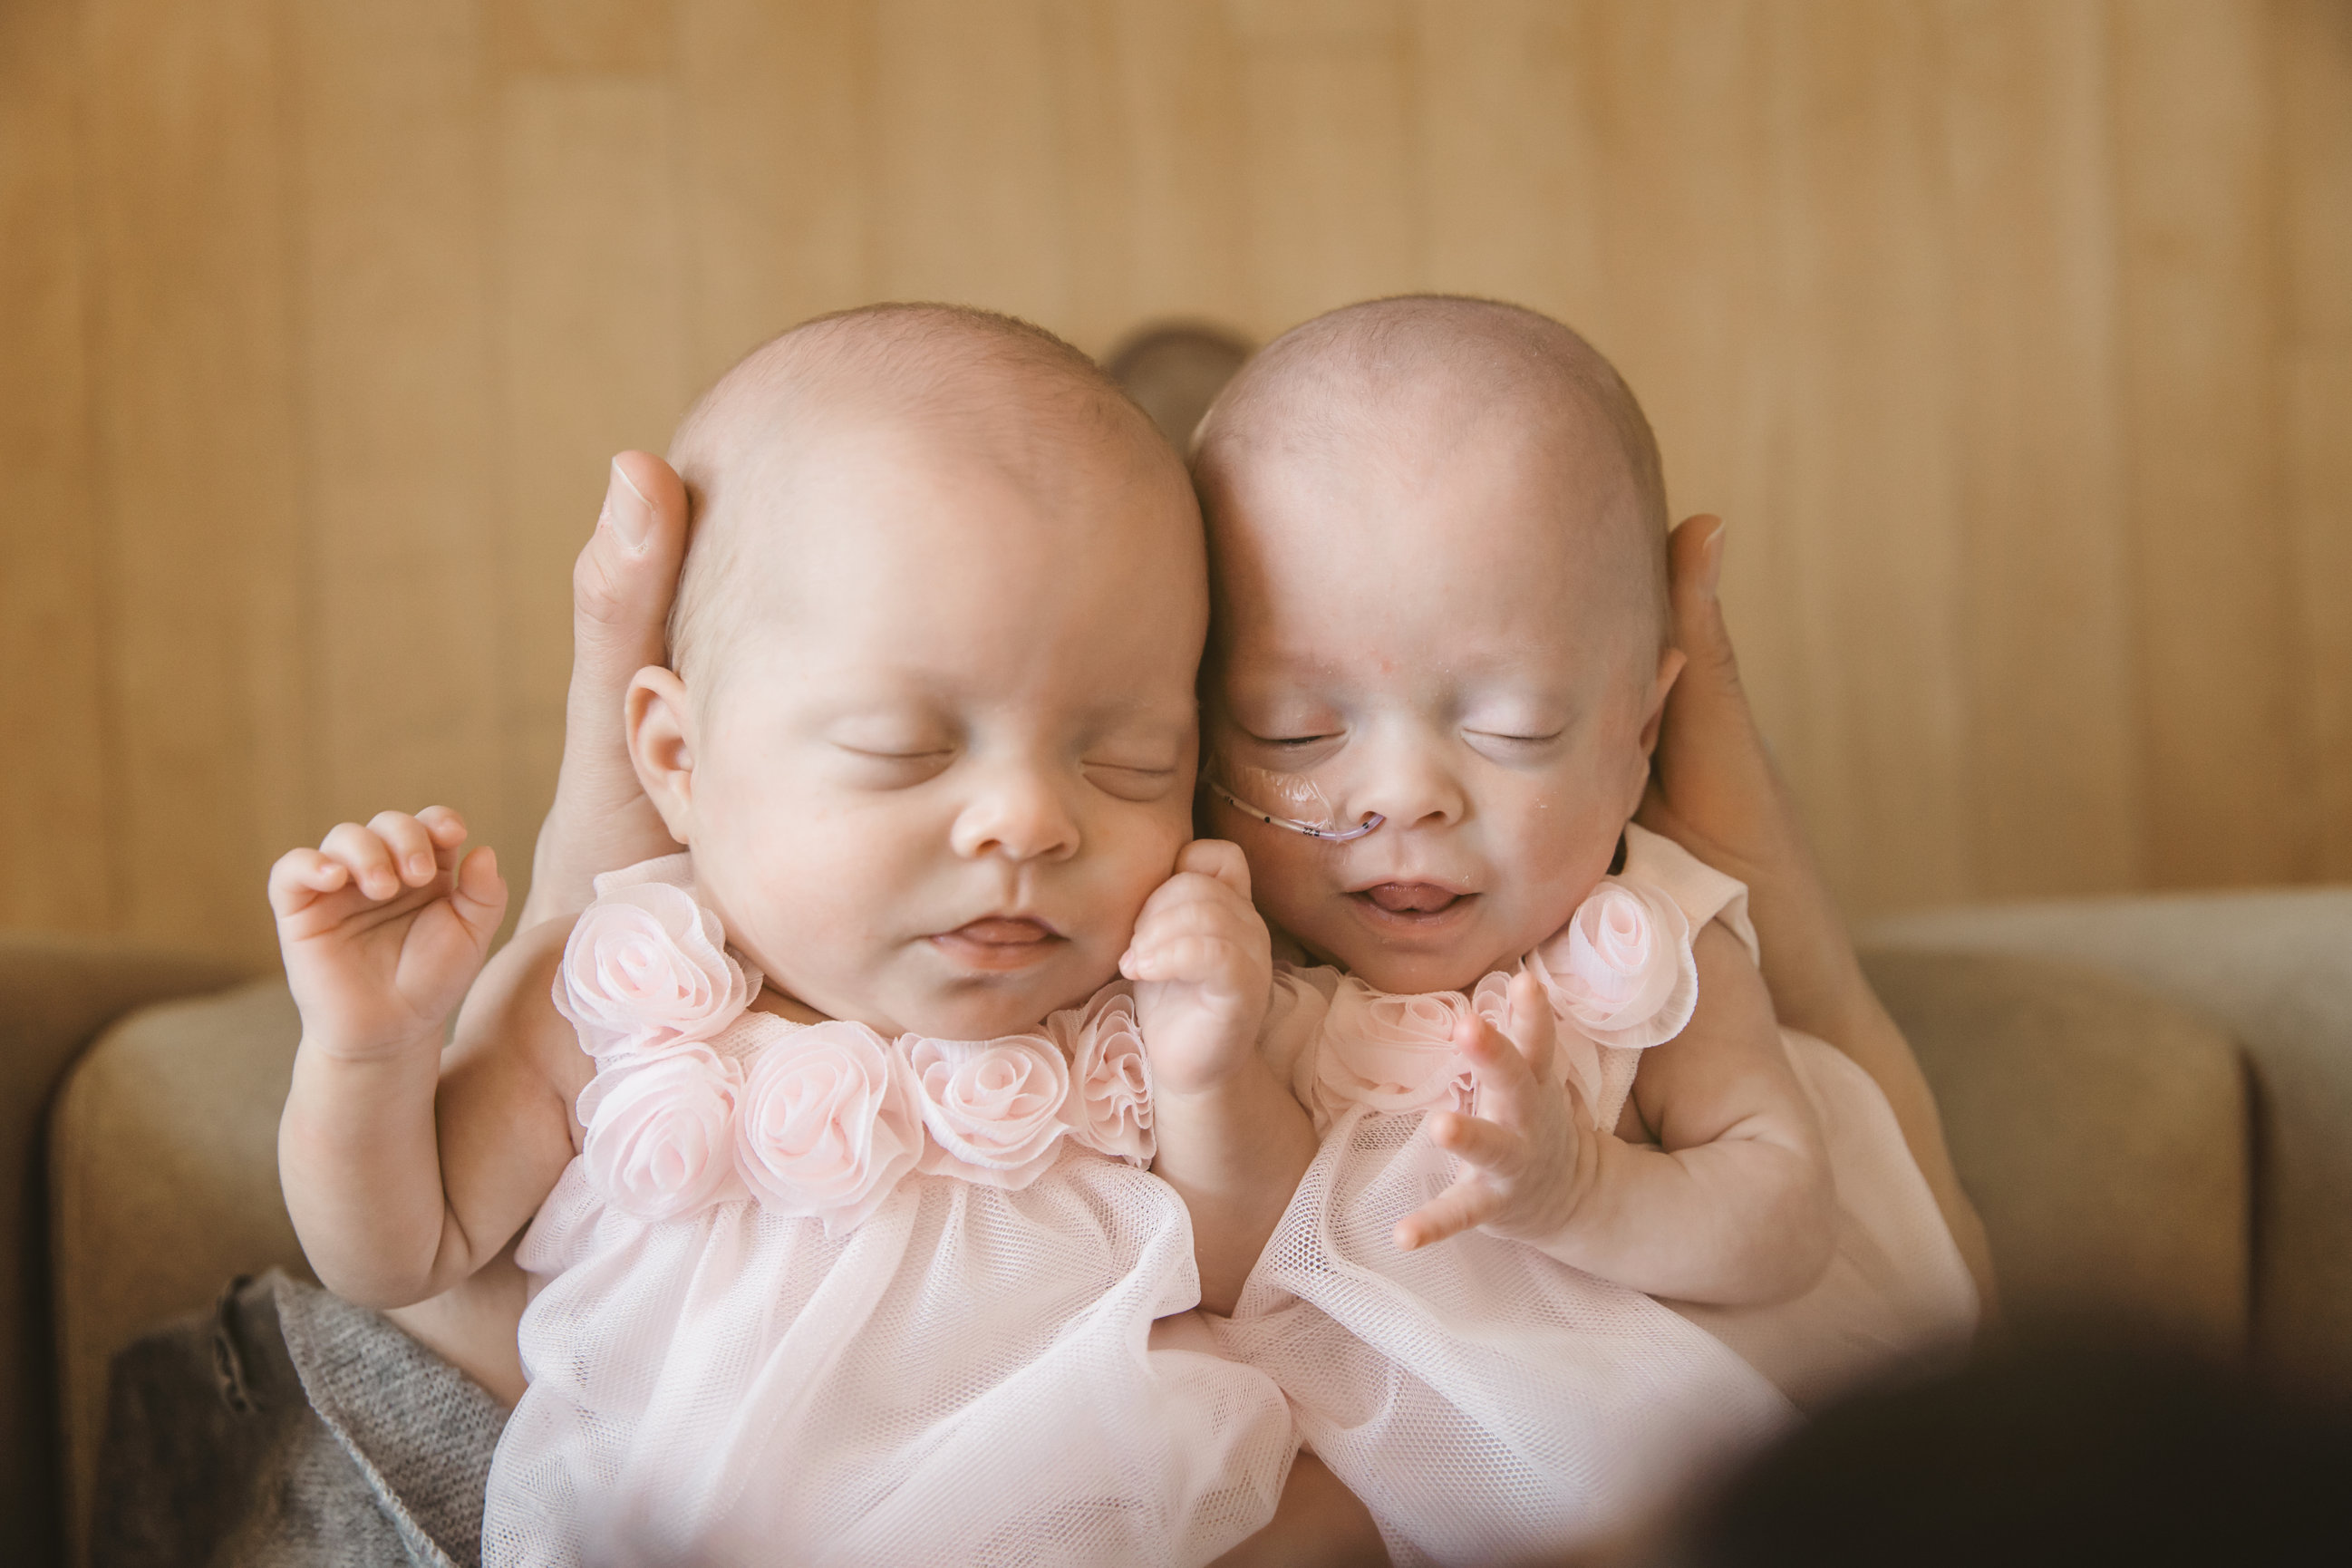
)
(646, 968)
(1620, 972)
(993, 1106)
(661, 1136)
(1109, 1103)
(1391, 1053)
(828, 1119)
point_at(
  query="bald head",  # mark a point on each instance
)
(878, 387)
(1392, 383)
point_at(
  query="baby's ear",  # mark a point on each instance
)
(655, 715)
(1670, 665)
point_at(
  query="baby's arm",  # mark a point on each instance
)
(1232, 1141)
(1735, 1207)
(403, 1179)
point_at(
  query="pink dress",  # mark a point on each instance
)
(812, 1296)
(1487, 1402)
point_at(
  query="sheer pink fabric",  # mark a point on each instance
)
(1488, 1403)
(812, 1296)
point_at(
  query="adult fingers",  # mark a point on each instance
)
(626, 574)
(1695, 561)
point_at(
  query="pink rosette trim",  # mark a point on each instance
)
(1109, 1105)
(1391, 1053)
(1620, 972)
(646, 968)
(993, 1106)
(829, 1119)
(661, 1137)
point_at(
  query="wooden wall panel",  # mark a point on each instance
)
(591, 335)
(774, 107)
(199, 456)
(56, 867)
(2050, 769)
(2314, 54)
(2219, 675)
(969, 191)
(1332, 181)
(2013, 337)
(392, 197)
(1866, 460)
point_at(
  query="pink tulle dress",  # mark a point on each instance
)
(812, 1296)
(1487, 1402)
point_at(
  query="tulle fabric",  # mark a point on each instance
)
(956, 1367)
(1489, 1404)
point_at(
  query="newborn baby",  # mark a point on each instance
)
(844, 1250)
(1570, 1164)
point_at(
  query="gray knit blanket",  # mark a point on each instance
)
(288, 1426)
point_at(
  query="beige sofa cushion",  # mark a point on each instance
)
(2274, 969)
(163, 1184)
(56, 993)
(2100, 1130)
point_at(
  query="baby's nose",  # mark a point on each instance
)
(1407, 781)
(1018, 812)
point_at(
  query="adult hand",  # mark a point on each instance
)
(622, 586)
(1715, 790)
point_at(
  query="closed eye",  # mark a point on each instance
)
(1127, 781)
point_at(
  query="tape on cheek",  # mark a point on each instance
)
(1293, 795)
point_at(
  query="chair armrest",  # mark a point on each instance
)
(2102, 1133)
(2273, 969)
(162, 1185)
(56, 992)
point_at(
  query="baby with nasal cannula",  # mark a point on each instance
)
(1436, 667)
(1568, 1162)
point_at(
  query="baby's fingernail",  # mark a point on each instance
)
(1711, 560)
(628, 513)
(420, 864)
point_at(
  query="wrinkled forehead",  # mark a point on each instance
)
(1435, 515)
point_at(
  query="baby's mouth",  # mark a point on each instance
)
(999, 942)
(1411, 898)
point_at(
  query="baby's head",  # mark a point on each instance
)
(929, 723)
(1437, 537)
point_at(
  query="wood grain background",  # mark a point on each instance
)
(2013, 336)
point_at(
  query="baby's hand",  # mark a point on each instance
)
(1202, 963)
(1531, 1165)
(382, 927)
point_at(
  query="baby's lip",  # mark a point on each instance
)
(1410, 898)
(999, 941)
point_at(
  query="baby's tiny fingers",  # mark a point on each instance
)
(1537, 1032)
(447, 829)
(1476, 1140)
(1464, 1205)
(301, 875)
(1505, 1079)
(1217, 858)
(368, 856)
(411, 844)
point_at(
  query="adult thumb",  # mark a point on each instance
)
(627, 572)
(1695, 558)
